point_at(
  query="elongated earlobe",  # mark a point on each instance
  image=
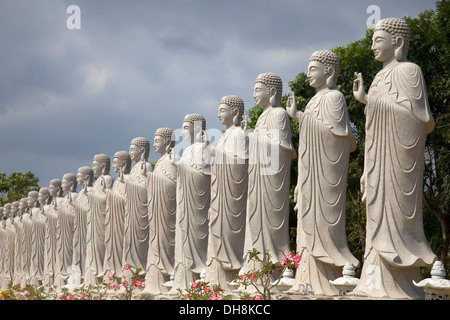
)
(398, 52)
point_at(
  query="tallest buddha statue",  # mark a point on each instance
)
(398, 119)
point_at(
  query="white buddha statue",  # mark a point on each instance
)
(135, 246)
(37, 203)
(25, 212)
(229, 183)
(115, 215)
(325, 143)
(95, 224)
(161, 214)
(398, 118)
(193, 200)
(85, 177)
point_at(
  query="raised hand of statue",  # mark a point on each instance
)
(358, 89)
(291, 106)
(143, 165)
(102, 183)
(120, 174)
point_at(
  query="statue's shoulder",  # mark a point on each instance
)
(335, 96)
(408, 69)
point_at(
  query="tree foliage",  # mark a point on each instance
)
(15, 186)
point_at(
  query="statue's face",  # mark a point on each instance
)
(317, 75)
(225, 114)
(80, 178)
(66, 185)
(382, 46)
(261, 94)
(135, 153)
(97, 167)
(116, 165)
(14, 210)
(6, 211)
(53, 190)
(188, 131)
(31, 201)
(22, 206)
(159, 144)
(42, 198)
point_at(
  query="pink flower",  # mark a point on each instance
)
(257, 298)
(114, 287)
(69, 297)
(137, 283)
(111, 275)
(126, 267)
(80, 296)
(194, 285)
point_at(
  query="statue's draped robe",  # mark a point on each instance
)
(3, 278)
(26, 247)
(66, 217)
(193, 199)
(95, 230)
(162, 218)
(9, 252)
(397, 121)
(270, 154)
(18, 242)
(38, 236)
(51, 246)
(325, 143)
(81, 208)
(135, 247)
(227, 212)
(114, 226)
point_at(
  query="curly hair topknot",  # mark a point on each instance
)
(124, 156)
(396, 27)
(194, 117)
(103, 158)
(142, 142)
(234, 102)
(271, 80)
(327, 58)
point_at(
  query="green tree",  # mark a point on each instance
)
(429, 48)
(15, 186)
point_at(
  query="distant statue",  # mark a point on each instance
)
(25, 212)
(2, 246)
(66, 217)
(270, 154)
(8, 249)
(135, 246)
(193, 200)
(115, 215)
(37, 202)
(325, 143)
(95, 225)
(18, 237)
(85, 177)
(229, 182)
(398, 118)
(161, 214)
(51, 233)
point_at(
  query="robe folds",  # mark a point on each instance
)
(51, 244)
(227, 213)
(162, 205)
(270, 154)
(193, 200)
(135, 246)
(397, 121)
(81, 208)
(325, 143)
(114, 227)
(37, 246)
(95, 230)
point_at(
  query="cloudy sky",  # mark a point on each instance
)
(135, 65)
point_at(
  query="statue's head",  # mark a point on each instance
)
(323, 69)
(14, 208)
(55, 188)
(192, 124)
(7, 210)
(122, 160)
(23, 204)
(231, 110)
(32, 199)
(101, 164)
(268, 89)
(139, 149)
(85, 176)
(163, 140)
(390, 39)
(69, 182)
(44, 196)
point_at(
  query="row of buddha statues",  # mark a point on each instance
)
(203, 209)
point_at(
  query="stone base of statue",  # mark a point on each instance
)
(315, 275)
(380, 279)
(154, 281)
(216, 274)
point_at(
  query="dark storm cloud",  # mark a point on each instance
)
(134, 66)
